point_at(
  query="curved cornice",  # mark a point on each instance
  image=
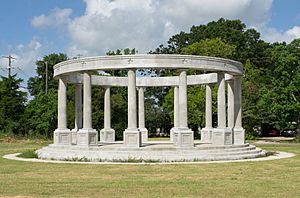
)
(149, 61)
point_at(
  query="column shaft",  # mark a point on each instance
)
(208, 107)
(221, 101)
(176, 106)
(141, 108)
(238, 102)
(183, 100)
(230, 106)
(132, 109)
(78, 106)
(107, 119)
(87, 101)
(62, 105)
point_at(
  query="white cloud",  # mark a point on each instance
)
(111, 24)
(25, 57)
(108, 25)
(57, 17)
(273, 35)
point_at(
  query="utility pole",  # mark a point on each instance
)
(9, 63)
(46, 63)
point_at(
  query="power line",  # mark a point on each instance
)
(23, 72)
(9, 63)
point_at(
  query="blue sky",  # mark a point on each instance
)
(31, 29)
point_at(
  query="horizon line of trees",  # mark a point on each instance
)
(270, 85)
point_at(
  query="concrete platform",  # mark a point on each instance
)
(158, 151)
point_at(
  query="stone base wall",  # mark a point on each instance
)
(87, 137)
(206, 135)
(62, 137)
(107, 135)
(238, 136)
(222, 136)
(132, 138)
(183, 137)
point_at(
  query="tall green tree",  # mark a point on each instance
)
(210, 47)
(41, 115)
(281, 95)
(37, 84)
(41, 112)
(12, 105)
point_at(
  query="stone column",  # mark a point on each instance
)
(107, 134)
(62, 135)
(132, 136)
(183, 136)
(78, 106)
(221, 101)
(176, 109)
(206, 132)
(87, 136)
(142, 128)
(230, 105)
(183, 99)
(221, 135)
(78, 112)
(87, 101)
(238, 131)
(62, 105)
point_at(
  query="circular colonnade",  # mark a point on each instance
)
(224, 142)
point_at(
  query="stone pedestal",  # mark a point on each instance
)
(183, 137)
(144, 134)
(74, 136)
(206, 135)
(238, 136)
(132, 138)
(107, 135)
(222, 136)
(87, 137)
(62, 137)
(172, 134)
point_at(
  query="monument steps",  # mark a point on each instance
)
(118, 153)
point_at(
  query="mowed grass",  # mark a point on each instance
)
(278, 178)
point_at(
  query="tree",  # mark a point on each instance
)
(37, 84)
(12, 105)
(41, 115)
(210, 47)
(41, 112)
(281, 95)
(233, 32)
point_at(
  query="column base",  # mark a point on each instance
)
(238, 136)
(172, 134)
(62, 137)
(183, 137)
(107, 135)
(132, 138)
(222, 136)
(206, 135)
(87, 137)
(144, 134)
(74, 136)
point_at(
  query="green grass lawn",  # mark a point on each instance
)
(279, 178)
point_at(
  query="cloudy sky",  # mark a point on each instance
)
(30, 29)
